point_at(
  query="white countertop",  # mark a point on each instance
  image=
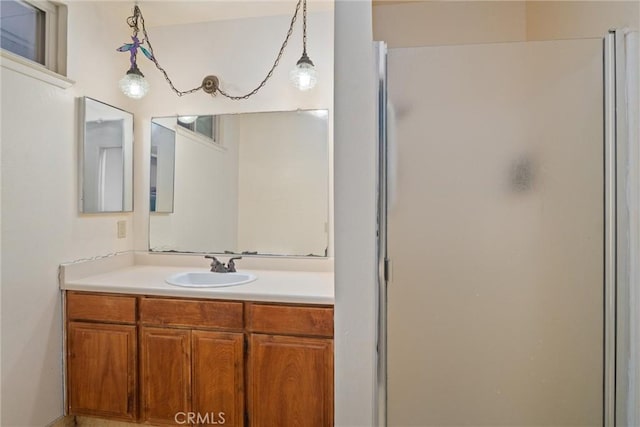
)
(301, 287)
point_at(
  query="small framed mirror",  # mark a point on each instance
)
(106, 158)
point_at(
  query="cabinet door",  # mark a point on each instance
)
(101, 363)
(218, 377)
(165, 374)
(290, 381)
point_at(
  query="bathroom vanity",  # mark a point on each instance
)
(145, 351)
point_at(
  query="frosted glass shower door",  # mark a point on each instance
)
(495, 304)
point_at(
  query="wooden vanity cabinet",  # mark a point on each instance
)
(145, 359)
(184, 369)
(102, 356)
(290, 365)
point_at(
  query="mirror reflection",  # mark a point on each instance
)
(106, 178)
(255, 183)
(162, 167)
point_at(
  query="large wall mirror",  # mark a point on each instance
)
(106, 158)
(255, 183)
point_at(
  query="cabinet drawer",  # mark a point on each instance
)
(295, 320)
(191, 313)
(102, 308)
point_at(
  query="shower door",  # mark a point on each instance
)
(495, 305)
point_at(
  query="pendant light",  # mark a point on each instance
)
(134, 85)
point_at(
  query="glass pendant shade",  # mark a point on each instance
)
(133, 84)
(303, 76)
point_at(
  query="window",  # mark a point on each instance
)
(33, 30)
(206, 126)
(23, 28)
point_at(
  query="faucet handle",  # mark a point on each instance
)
(215, 264)
(231, 265)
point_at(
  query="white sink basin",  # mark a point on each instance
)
(207, 279)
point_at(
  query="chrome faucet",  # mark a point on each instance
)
(219, 267)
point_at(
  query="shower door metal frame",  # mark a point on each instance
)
(384, 263)
(609, 379)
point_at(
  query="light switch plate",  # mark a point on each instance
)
(122, 229)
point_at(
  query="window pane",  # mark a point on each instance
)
(204, 126)
(22, 27)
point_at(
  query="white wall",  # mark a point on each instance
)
(41, 226)
(239, 52)
(355, 213)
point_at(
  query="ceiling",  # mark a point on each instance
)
(177, 12)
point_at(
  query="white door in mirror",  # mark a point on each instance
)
(206, 279)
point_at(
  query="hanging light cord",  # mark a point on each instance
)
(137, 15)
(304, 27)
